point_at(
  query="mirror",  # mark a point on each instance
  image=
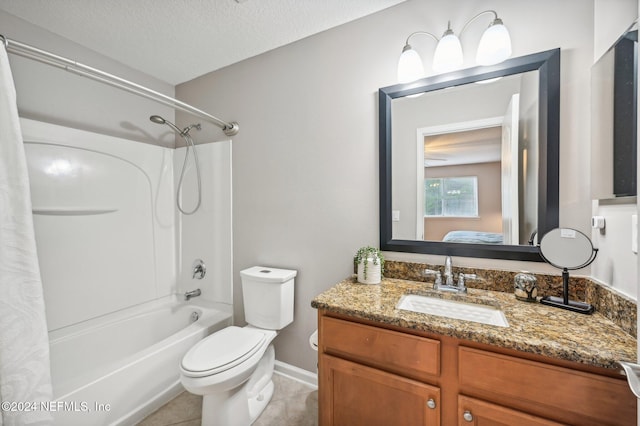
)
(509, 139)
(566, 249)
(614, 119)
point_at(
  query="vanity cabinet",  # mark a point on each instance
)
(377, 374)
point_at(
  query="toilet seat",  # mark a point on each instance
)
(222, 351)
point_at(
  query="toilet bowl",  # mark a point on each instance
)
(223, 377)
(232, 369)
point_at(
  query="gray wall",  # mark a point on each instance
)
(305, 164)
(49, 94)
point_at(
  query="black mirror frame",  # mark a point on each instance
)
(547, 63)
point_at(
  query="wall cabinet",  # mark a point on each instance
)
(380, 375)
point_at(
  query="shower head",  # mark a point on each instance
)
(187, 138)
(159, 120)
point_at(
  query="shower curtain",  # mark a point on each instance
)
(25, 380)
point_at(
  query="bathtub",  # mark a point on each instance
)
(118, 368)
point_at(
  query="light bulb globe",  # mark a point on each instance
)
(448, 55)
(495, 45)
(409, 66)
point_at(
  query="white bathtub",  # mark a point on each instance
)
(118, 368)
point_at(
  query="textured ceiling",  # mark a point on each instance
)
(178, 40)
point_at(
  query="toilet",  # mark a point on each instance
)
(232, 368)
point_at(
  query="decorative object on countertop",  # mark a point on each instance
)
(369, 263)
(526, 287)
(567, 248)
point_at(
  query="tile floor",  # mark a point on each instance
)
(293, 404)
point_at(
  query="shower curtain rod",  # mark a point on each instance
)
(30, 52)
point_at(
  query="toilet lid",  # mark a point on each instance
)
(222, 350)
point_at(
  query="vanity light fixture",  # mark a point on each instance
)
(493, 48)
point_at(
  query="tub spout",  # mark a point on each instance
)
(194, 293)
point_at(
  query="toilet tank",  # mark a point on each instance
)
(268, 296)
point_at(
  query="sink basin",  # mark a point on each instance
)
(467, 311)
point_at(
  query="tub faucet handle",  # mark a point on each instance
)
(199, 269)
(194, 293)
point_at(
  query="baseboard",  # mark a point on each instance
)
(296, 373)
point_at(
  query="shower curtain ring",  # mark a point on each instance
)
(4, 41)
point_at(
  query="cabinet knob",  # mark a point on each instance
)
(431, 403)
(467, 416)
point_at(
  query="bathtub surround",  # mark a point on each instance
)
(104, 220)
(24, 345)
(206, 234)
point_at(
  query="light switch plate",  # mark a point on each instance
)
(395, 215)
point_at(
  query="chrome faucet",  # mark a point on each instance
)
(448, 284)
(448, 275)
(194, 293)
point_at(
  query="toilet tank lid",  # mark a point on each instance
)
(268, 275)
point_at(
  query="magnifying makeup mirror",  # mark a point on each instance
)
(567, 249)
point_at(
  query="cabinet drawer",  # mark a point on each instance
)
(405, 354)
(566, 395)
(472, 411)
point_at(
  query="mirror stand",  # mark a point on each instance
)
(564, 302)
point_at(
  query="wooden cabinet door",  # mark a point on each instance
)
(352, 394)
(473, 412)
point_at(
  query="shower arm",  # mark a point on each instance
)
(48, 58)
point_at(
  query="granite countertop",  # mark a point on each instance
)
(533, 328)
